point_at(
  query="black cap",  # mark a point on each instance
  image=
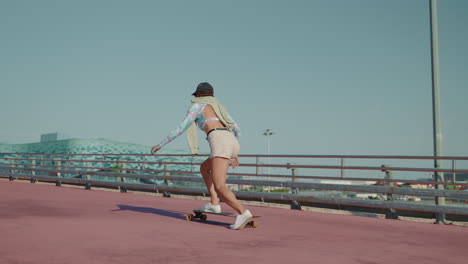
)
(203, 88)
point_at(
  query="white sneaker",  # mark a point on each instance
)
(242, 220)
(211, 208)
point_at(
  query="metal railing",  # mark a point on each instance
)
(367, 182)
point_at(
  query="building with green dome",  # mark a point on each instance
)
(82, 150)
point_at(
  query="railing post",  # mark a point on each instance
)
(59, 167)
(41, 163)
(87, 177)
(123, 179)
(33, 166)
(295, 205)
(33, 172)
(166, 178)
(293, 177)
(388, 177)
(258, 169)
(167, 174)
(391, 212)
(11, 171)
(56, 164)
(342, 167)
(454, 175)
(85, 174)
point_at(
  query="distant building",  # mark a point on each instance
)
(104, 149)
(53, 137)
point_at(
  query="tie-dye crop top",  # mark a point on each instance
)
(195, 114)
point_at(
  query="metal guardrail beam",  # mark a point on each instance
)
(150, 187)
(285, 184)
(95, 172)
(406, 206)
(35, 167)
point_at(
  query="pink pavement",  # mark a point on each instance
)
(42, 223)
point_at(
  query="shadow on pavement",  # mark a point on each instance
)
(161, 212)
(150, 210)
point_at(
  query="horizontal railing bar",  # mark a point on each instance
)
(32, 167)
(338, 178)
(35, 168)
(119, 154)
(109, 184)
(230, 174)
(357, 188)
(107, 161)
(288, 184)
(331, 167)
(360, 168)
(359, 157)
(387, 204)
(262, 156)
(89, 172)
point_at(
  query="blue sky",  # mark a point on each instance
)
(328, 76)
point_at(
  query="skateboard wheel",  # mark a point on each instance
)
(252, 224)
(203, 217)
(189, 217)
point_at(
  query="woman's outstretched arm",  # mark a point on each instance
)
(192, 114)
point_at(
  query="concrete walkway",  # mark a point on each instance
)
(42, 223)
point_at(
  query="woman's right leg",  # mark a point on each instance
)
(206, 171)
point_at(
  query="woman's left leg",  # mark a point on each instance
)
(219, 168)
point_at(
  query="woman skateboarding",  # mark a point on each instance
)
(212, 118)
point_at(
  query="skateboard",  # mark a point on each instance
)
(202, 215)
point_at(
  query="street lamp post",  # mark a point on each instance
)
(437, 131)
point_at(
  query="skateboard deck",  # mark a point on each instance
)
(202, 215)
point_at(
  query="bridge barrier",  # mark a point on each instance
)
(341, 185)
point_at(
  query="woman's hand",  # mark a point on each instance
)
(155, 149)
(235, 162)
